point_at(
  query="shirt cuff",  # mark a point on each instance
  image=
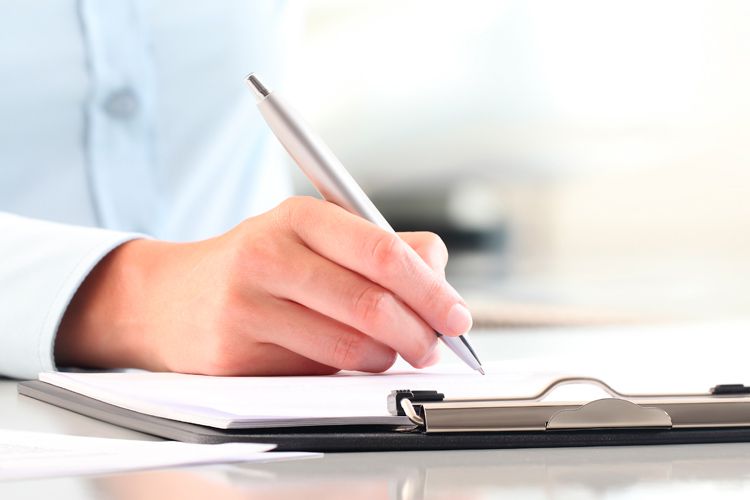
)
(42, 265)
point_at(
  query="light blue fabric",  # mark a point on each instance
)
(117, 118)
(133, 115)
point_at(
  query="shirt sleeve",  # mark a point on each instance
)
(42, 264)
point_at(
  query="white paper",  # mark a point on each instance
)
(26, 455)
(251, 402)
(259, 402)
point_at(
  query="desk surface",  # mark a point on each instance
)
(695, 471)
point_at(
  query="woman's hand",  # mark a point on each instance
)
(306, 288)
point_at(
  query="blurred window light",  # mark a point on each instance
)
(517, 87)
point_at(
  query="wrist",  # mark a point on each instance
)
(103, 325)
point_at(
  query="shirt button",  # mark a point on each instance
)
(121, 104)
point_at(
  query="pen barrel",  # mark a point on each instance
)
(317, 161)
(330, 178)
(461, 348)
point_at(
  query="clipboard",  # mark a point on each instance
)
(721, 415)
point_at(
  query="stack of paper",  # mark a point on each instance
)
(263, 402)
(25, 455)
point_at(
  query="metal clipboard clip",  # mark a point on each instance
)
(726, 405)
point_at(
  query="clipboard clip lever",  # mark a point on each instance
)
(432, 412)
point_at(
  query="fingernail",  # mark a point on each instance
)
(459, 320)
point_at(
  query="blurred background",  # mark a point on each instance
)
(586, 158)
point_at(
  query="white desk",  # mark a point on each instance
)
(694, 471)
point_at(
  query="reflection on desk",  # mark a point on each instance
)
(626, 472)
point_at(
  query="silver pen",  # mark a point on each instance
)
(331, 179)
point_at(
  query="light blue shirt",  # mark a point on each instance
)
(126, 115)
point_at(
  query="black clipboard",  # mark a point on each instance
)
(387, 438)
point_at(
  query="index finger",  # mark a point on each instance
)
(383, 258)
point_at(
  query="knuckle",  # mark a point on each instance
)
(432, 249)
(434, 299)
(294, 211)
(370, 306)
(437, 245)
(388, 255)
(293, 203)
(348, 351)
(251, 259)
(434, 294)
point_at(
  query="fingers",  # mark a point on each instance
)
(251, 359)
(283, 338)
(348, 298)
(324, 340)
(430, 247)
(321, 344)
(382, 258)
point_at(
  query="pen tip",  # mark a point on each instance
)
(260, 90)
(481, 370)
